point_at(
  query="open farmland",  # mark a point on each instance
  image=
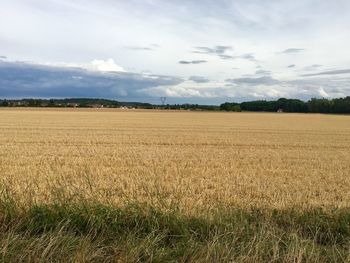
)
(198, 164)
(193, 159)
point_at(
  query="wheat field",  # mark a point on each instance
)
(103, 185)
(194, 160)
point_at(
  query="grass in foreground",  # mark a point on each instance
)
(83, 232)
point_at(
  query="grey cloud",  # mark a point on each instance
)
(214, 50)
(263, 72)
(312, 67)
(264, 88)
(292, 50)
(248, 56)
(223, 56)
(331, 72)
(185, 62)
(220, 51)
(303, 88)
(291, 66)
(30, 80)
(255, 87)
(315, 87)
(151, 48)
(3, 57)
(199, 79)
(265, 80)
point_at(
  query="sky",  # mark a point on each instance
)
(206, 52)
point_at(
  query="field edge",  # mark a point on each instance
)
(89, 231)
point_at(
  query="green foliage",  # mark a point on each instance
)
(320, 105)
(82, 232)
(292, 105)
(340, 105)
(230, 107)
(4, 103)
(34, 103)
(287, 105)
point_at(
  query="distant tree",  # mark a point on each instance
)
(51, 103)
(341, 105)
(4, 103)
(34, 103)
(260, 105)
(292, 105)
(230, 107)
(320, 105)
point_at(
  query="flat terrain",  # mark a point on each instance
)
(168, 186)
(192, 159)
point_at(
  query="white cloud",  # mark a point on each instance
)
(106, 66)
(98, 65)
(323, 93)
(187, 89)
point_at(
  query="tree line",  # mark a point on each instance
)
(339, 105)
(100, 103)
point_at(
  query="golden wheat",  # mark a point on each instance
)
(193, 160)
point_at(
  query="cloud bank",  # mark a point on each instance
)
(329, 73)
(102, 80)
(21, 79)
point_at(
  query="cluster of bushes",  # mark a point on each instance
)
(340, 105)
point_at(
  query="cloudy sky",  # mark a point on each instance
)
(188, 51)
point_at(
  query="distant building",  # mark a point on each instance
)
(97, 106)
(280, 110)
(74, 105)
(17, 103)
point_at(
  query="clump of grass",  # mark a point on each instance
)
(85, 231)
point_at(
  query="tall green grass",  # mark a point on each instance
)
(85, 231)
